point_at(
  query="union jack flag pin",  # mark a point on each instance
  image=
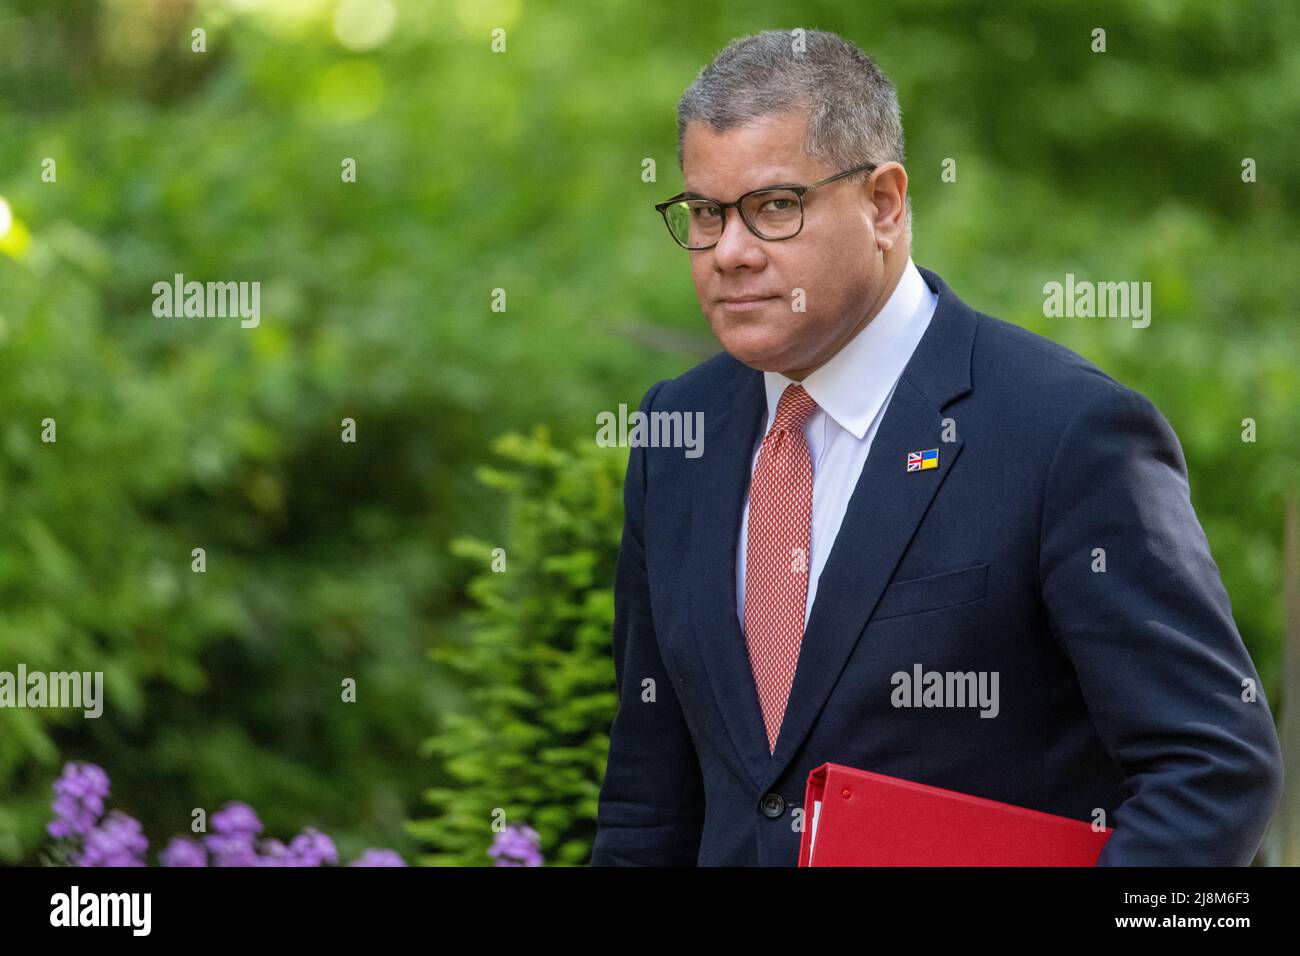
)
(923, 460)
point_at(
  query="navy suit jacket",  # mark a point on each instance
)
(1120, 690)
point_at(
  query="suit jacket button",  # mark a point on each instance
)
(772, 806)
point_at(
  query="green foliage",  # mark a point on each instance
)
(536, 662)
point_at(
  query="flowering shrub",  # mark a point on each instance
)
(87, 837)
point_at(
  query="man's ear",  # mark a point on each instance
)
(887, 193)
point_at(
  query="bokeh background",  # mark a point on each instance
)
(485, 695)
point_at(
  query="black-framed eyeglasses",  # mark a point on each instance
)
(771, 213)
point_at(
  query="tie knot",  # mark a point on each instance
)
(793, 409)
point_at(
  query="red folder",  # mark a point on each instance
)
(858, 818)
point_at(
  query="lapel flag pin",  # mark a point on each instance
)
(923, 460)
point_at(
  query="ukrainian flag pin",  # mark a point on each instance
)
(923, 460)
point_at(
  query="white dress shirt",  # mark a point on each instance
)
(852, 391)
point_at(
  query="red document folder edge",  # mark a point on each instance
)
(858, 818)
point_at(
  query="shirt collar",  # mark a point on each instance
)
(853, 385)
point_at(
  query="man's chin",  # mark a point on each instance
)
(750, 343)
(762, 360)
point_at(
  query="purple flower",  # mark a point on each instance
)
(517, 846)
(378, 857)
(236, 819)
(231, 850)
(313, 848)
(183, 851)
(79, 796)
(274, 853)
(117, 841)
(235, 827)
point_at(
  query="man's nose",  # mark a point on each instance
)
(737, 246)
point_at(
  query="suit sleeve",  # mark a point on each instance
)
(651, 808)
(1158, 657)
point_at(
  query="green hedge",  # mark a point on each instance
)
(531, 745)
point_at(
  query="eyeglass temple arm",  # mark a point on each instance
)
(847, 172)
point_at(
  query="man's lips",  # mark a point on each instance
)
(745, 303)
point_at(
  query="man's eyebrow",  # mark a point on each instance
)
(773, 184)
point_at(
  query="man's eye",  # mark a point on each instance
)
(778, 205)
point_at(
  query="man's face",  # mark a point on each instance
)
(835, 259)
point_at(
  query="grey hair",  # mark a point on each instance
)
(851, 105)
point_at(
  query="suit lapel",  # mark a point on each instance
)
(717, 502)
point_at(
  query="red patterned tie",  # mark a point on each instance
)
(777, 554)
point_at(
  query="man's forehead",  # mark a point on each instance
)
(756, 154)
(722, 187)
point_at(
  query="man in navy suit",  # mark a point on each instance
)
(895, 489)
